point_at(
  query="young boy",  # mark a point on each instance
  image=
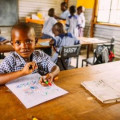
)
(47, 29)
(65, 12)
(81, 19)
(61, 39)
(72, 22)
(25, 60)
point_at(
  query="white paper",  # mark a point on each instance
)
(31, 93)
(45, 43)
(102, 91)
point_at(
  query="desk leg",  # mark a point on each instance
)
(88, 50)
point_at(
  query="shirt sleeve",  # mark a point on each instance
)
(6, 65)
(47, 62)
(67, 23)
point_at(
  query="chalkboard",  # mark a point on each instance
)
(8, 12)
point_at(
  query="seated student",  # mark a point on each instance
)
(25, 60)
(47, 28)
(3, 40)
(72, 22)
(65, 12)
(81, 19)
(61, 39)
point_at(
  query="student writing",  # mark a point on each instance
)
(18, 63)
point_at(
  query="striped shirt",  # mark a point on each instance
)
(14, 62)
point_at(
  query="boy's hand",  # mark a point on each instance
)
(46, 80)
(29, 68)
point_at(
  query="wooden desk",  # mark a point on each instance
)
(78, 104)
(8, 47)
(41, 21)
(90, 41)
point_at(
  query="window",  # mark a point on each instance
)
(109, 11)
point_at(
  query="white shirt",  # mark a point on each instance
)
(72, 25)
(47, 28)
(65, 14)
(81, 19)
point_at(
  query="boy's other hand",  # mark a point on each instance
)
(29, 68)
(48, 78)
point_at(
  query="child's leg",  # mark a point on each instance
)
(80, 32)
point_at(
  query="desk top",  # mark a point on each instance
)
(88, 41)
(8, 47)
(78, 104)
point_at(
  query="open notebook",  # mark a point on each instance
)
(31, 93)
(107, 90)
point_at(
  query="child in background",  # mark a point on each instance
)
(72, 22)
(25, 60)
(47, 28)
(3, 40)
(65, 12)
(61, 39)
(81, 19)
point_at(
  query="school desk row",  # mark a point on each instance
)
(78, 104)
(83, 41)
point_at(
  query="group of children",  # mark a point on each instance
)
(25, 60)
(75, 23)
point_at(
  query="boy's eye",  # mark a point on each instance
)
(29, 41)
(17, 42)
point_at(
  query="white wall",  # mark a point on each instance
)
(27, 7)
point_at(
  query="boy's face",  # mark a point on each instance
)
(23, 42)
(55, 31)
(79, 11)
(63, 8)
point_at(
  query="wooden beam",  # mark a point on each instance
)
(94, 18)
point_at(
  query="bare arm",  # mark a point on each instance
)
(57, 17)
(4, 78)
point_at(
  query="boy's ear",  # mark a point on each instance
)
(36, 40)
(12, 43)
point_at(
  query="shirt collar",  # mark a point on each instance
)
(73, 16)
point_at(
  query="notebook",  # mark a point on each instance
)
(31, 93)
(107, 90)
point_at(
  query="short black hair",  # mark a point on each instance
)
(64, 4)
(60, 27)
(51, 12)
(81, 8)
(72, 9)
(22, 26)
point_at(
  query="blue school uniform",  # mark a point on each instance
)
(63, 40)
(65, 14)
(47, 28)
(14, 62)
(72, 25)
(2, 39)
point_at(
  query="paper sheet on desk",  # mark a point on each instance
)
(45, 43)
(31, 93)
